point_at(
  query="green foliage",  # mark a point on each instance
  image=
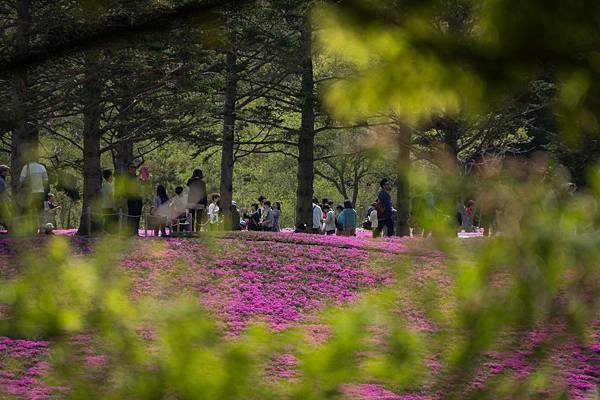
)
(420, 58)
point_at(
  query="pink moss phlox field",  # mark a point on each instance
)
(280, 282)
(395, 245)
(22, 363)
(285, 280)
(376, 392)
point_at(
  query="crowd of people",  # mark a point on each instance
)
(190, 209)
(194, 209)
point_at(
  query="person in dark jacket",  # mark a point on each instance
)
(197, 198)
(5, 201)
(385, 209)
(235, 217)
(135, 203)
(254, 218)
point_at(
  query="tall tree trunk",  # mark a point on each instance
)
(92, 174)
(25, 135)
(122, 154)
(403, 183)
(306, 138)
(227, 158)
(355, 187)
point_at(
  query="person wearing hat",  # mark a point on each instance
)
(48, 229)
(4, 196)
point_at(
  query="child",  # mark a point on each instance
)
(373, 220)
(144, 173)
(213, 210)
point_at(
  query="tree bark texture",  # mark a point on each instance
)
(227, 156)
(403, 183)
(25, 135)
(122, 154)
(92, 174)
(306, 135)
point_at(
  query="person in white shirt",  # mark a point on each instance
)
(261, 204)
(179, 209)
(34, 181)
(373, 219)
(329, 220)
(213, 210)
(317, 218)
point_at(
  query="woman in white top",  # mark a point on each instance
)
(33, 182)
(213, 210)
(373, 219)
(329, 220)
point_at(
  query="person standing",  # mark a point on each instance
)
(384, 209)
(235, 217)
(254, 218)
(329, 220)
(5, 200)
(3, 186)
(109, 212)
(266, 219)
(33, 182)
(347, 220)
(276, 216)
(373, 219)
(317, 217)
(213, 210)
(197, 198)
(468, 218)
(135, 203)
(261, 206)
(160, 211)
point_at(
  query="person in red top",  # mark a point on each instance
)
(470, 215)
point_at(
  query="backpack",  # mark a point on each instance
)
(379, 207)
(367, 224)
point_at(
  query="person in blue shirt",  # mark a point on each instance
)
(347, 220)
(384, 210)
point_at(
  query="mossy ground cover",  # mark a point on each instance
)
(292, 281)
